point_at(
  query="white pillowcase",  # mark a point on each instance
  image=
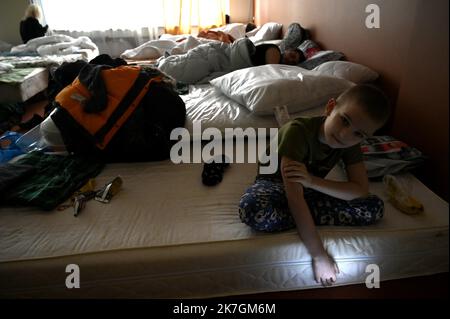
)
(252, 33)
(269, 31)
(264, 87)
(350, 71)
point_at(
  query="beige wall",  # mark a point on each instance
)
(409, 51)
(11, 12)
(340, 25)
(422, 115)
(241, 10)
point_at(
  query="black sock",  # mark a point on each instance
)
(213, 171)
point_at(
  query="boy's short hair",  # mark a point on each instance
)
(369, 97)
(249, 27)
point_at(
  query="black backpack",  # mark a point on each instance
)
(145, 133)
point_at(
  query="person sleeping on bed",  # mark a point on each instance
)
(30, 27)
(297, 195)
(271, 54)
(287, 52)
(210, 60)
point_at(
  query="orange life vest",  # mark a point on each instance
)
(125, 87)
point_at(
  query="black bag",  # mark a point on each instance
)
(144, 136)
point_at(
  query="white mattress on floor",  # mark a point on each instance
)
(37, 80)
(28, 86)
(167, 235)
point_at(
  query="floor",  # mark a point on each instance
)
(426, 287)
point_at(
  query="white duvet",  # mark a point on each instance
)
(178, 44)
(57, 44)
(207, 61)
(167, 44)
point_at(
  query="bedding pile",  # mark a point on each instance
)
(5, 67)
(386, 155)
(169, 44)
(57, 44)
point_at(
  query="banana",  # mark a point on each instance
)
(400, 198)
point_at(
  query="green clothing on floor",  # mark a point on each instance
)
(56, 179)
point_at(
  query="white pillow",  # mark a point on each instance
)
(253, 32)
(269, 31)
(350, 71)
(262, 88)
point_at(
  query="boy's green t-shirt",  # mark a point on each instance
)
(299, 140)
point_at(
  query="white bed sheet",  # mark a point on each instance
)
(166, 235)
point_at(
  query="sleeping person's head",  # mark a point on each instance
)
(292, 57)
(249, 27)
(269, 53)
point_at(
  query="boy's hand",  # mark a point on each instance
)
(297, 172)
(325, 270)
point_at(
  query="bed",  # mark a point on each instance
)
(22, 83)
(30, 63)
(30, 75)
(174, 54)
(166, 235)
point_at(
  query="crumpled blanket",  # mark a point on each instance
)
(5, 67)
(208, 61)
(386, 155)
(169, 45)
(57, 44)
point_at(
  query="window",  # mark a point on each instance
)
(90, 15)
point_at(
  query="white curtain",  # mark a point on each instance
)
(113, 25)
(117, 25)
(115, 42)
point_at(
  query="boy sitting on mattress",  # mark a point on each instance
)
(297, 195)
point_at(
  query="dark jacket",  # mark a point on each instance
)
(259, 57)
(30, 28)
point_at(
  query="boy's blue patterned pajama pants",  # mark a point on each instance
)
(264, 207)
